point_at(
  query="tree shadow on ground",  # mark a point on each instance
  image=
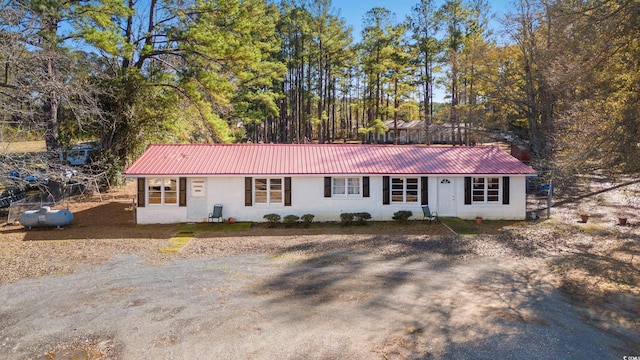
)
(112, 220)
(325, 264)
(606, 283)
(597, 265)
(419, 300)
(575, 194)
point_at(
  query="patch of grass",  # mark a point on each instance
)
(24, 146)
(181, 241)
(176, 244)
(214, 227)
(170, 249)
(186, 232)
(460, 226)
(593, 229)
(469, 228)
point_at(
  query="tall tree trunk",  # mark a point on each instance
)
(128, 33)
(428, 108)
(51, 101)
(395, 111)
(453, 116)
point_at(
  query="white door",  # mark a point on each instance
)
(197, 199)
(446, 197)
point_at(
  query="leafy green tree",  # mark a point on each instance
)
(315, 41)
(473, 68)
(401, 74)
(41, 34)
(294, 32)
(376, 53)
(424, 28)
(212, 60)
(453, 15)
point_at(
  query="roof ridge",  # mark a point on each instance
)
(332, 145)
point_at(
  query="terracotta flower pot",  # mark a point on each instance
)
(232, 220)
(622, 221)
(584, 218)
(478, 220)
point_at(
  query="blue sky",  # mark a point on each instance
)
(353, 10)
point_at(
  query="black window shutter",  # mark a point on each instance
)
(424, 190)
(467, 190)
(327, 186)
(287, 191)
(248, 191)
(505, 190)
(385, 191)
(365, 186)
(182, 183)
(141, 192)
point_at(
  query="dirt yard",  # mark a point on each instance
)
(104, 288)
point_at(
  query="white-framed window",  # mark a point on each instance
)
(268, 191)
(485, 190)
(405, 190)
(162, 191)
(346, 187)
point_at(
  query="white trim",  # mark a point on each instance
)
(307, 196)
(405, 189)
(162, 191)
(269, 191)
(347, 186)
(485, 190)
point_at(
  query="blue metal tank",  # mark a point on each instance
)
(45, 217)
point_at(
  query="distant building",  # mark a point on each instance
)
(414, 132)
(409, 132)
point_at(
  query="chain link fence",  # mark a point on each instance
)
(18, 207)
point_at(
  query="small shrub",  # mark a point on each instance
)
(290, 220)
(272, 219)
(402, 215)
(346, 219)
(361, 218)
(307, 219)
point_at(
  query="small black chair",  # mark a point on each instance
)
(217, 213)
(428, 214)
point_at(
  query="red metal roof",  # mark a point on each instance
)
(315, 159)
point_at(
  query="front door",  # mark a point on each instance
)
(446, 197)
(197, 201)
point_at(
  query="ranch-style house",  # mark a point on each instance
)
(182, 182)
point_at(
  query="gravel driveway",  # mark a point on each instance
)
(337, 304)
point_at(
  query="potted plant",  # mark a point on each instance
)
(628, 203)
(478, 220)
(622, 219)
(584, 214)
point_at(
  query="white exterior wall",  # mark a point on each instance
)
(307, 197)
(161, 214)
(515, 210)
